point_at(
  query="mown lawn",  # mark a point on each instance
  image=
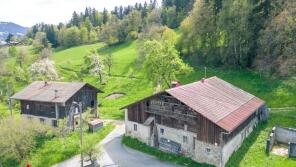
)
(252, 151)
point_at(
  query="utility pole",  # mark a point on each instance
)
(205, 72)
(80, 111)
(9, 99)
(79, 107)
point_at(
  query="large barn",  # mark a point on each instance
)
(50, 101)
(205, 120)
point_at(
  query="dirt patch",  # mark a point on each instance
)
(114, 96)
(280, 150)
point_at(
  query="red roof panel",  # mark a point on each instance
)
(219, 101)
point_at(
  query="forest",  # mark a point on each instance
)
(252, 34)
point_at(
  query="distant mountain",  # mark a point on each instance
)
(9, 27)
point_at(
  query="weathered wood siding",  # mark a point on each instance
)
(170, 112)
(87, 95)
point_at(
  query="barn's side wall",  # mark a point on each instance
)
(234, 144)
(142, 132)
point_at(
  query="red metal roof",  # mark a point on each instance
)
(219, 101)
(45, 91)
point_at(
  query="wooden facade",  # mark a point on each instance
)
(87, 95)
(170, 112)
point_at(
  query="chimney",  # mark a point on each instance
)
(56, 93)
(175, 84)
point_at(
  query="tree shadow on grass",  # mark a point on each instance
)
(238, 156)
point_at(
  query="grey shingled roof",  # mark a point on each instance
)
(42, 92)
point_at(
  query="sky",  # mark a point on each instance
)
(30, 12)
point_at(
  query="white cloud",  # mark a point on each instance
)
(29, 12)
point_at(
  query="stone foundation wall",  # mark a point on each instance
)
(207, 153)
(48, 121)
(285, 135)
(141, 133)
(179, 136)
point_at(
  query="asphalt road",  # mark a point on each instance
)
(126, 157)
(117, 155)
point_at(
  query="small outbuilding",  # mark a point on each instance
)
(50, 101)
(95, 125)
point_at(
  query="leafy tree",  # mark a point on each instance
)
(83, 35)
(162, 63)
(12, 51)
(134, 22)
(169, 35)
(277, 43)
(92, 37)
(113, 32)
(43, 69)
(9, 38)
(72, 37)
(40, 42)
(91, 152)
(17, 137)
(109, 62)
(200, 36)
(21, 57)
(45, 53)
(236, 32)
(87, 24)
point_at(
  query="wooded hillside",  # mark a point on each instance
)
(242, 33)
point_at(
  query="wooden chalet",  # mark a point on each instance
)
(205, 120)
(51, 101)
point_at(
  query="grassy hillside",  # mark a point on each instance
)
(276, 92)
(129, 79)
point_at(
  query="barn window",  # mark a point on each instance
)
(54, 123)
(185, 140)
(135, 127)
(27, 106)
(42, 120)
(162, 131)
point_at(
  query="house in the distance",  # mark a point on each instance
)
(205, 120)
(51, 101)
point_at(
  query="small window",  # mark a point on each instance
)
(135, 127)
(92, 104)
(42, 120)
(208, 150)
(162, 131)
(185, 140)
(27, 106)
(54, 123)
